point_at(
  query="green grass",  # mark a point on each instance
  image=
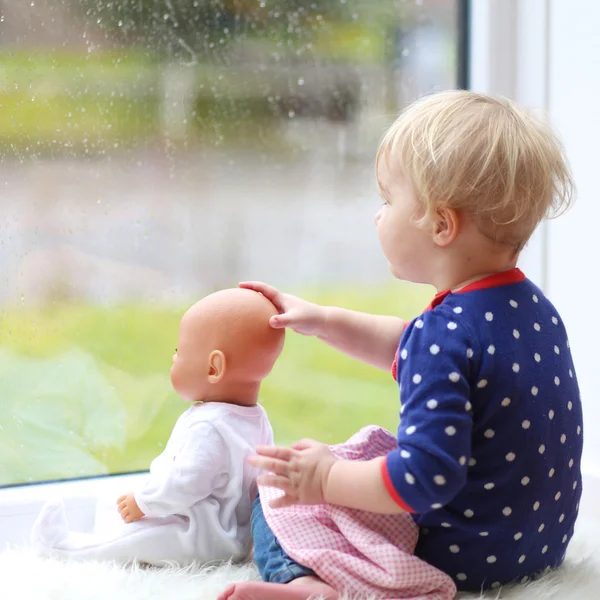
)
(85, 390)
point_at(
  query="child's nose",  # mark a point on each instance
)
(377, 217)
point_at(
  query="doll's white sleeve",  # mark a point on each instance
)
(177, 484)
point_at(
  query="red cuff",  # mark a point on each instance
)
(389, 486)
(395, 367)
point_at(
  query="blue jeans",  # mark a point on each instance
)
(274, 565)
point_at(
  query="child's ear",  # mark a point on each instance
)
(445, 228)
(217, 366)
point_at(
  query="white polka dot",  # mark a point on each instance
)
(457, 310)
(505, 402)
(491, 559)
(419, 324)
(468, 406)
(491, 349)
(404, 354)
(557, 496)
(534, 391)
(410, 479)
(571, 464)
(514, 303)
(516, 368)
(518, 536)
(565, 538)
(551, 473)
(462, 461)
(489, 433)
(482, 383)
(542, 449)
(410, 430)
(432, 404)
(535, 298)
(495, 585)
(489, 486)
(461, 577)
(507, 511)
(537, 327)
(551, 414)
(571, 373)
(484, 533)
(434, 349)
(544, 549)
(556, 381)
(522, 559)
(516, 334)
(452, 326)
(526, 424)
(536, 506)
(472, 462)
(510, 456)
(446, 525)
(450, 430)
(525, 481)
(469, 353)
(555, 320)
(436, 506)
(404, 454)
(402, 407)
(454, 377)
(570, 405)
(439, 480)
(537, 357)
(454, 549)
(489, 316)
(417, 378)
(563, 438)
(578, 429)
(541, 528)
(562, 518)
(556, 349)
(469, 513)
(574, 485)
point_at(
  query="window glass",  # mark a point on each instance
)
(154, 151)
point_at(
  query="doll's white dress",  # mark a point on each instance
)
(196, 500)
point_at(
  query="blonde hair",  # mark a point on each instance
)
(482, 155)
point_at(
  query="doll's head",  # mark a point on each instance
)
(226, 348)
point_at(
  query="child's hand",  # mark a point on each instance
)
(300, 471)
(299, 315)
(129, 509)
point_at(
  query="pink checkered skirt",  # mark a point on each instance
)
(359, 553)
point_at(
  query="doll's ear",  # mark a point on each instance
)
(216, 366)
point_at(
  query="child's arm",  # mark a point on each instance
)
(372, 339)
(429, 465)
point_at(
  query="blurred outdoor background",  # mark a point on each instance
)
(153, 151)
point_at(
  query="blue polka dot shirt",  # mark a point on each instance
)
(490, 435)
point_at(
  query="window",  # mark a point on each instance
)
(154, 151)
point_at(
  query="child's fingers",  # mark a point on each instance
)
(276, 481)
(305, 444)
(273, 294)
(273, 465)
(275, 452)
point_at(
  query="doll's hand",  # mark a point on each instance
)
(299, 315)
(300, 471)
(129, 509)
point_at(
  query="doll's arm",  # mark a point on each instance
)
(190, 477)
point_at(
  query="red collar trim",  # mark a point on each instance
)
(496, 280)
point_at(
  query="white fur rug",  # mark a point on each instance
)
(24, 576)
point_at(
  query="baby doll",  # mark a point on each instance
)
(195, 504)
